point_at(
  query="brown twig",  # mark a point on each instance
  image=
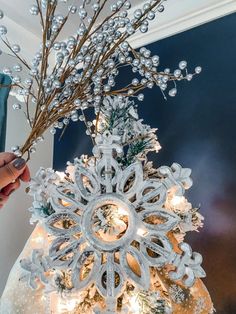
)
(43, 119)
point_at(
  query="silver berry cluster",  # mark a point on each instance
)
(87, 62)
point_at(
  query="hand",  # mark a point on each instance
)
(12, 171)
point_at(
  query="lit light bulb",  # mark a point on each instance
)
(65, 203)
(38, 239)
(122, 211)
(134, 305)
(177, 200)
(61, 175)
(43, 298)
(71, 304)
(141, 232)
(66, 305)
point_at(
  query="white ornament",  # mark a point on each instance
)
(36, 268)
(80, 219)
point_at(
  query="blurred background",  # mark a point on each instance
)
(197, 129)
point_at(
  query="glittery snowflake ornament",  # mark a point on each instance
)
(109, 225)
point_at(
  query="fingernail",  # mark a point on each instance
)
(19, 163)
(12, 191)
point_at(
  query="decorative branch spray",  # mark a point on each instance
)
(87, 64)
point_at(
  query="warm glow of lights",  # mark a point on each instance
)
(141, 232)
(64, 203)
(85, 158)
(122, 212)
(134, 305)
(61, 175)
(38, 239)
(43, 298)
(99, 122)
(177, 200)
(66, 305)
(70, 305)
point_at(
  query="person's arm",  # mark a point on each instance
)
(12, 171)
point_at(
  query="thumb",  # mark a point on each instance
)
(11, 171)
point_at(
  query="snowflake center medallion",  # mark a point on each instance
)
(109, 222)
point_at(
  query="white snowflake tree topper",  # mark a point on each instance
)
(115, 220)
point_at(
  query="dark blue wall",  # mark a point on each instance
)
(197, 129)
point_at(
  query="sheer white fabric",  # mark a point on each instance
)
(18, 297)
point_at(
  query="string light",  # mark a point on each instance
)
(122, 211)
(134, 304)
(177, 200)
(66, 305)
(38, 239)
(141, 232)
(61, 175)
